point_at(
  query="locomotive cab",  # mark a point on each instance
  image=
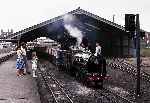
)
(96, 67)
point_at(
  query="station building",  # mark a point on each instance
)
(115, 41)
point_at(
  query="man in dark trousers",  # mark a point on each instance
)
(24, 54)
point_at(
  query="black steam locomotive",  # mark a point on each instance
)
(86, 67)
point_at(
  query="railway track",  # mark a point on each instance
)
(129, 68)
(113, 97)
(54, 87)
(63, 95)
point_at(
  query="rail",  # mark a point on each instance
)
(127, 67)
(55, 88)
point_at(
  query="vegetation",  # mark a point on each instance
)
(145, 52)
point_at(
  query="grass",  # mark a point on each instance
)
(145, 52)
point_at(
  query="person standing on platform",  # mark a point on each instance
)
(19, 62)
(23, 49)
(34, 64)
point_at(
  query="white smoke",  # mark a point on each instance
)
(69, 20)
(74, 32)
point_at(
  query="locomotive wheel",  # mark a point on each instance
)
(90, 83)
(99, 84)
(77, 75)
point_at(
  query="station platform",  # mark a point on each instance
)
(14, 89)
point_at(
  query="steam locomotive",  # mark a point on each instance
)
(87, 68)
(90, 69)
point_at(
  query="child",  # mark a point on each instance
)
(34, 64)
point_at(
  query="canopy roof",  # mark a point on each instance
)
(54, 28)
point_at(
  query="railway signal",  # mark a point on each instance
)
(130, 22)
(132, 25)
(138, 36)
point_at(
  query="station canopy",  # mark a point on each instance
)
(69, 28)
(55, 28)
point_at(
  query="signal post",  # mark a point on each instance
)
(132, 25)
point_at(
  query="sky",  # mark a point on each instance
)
(21, 14)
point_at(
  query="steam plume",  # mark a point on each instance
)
(69, 21)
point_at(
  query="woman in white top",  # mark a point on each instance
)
(23, 48)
